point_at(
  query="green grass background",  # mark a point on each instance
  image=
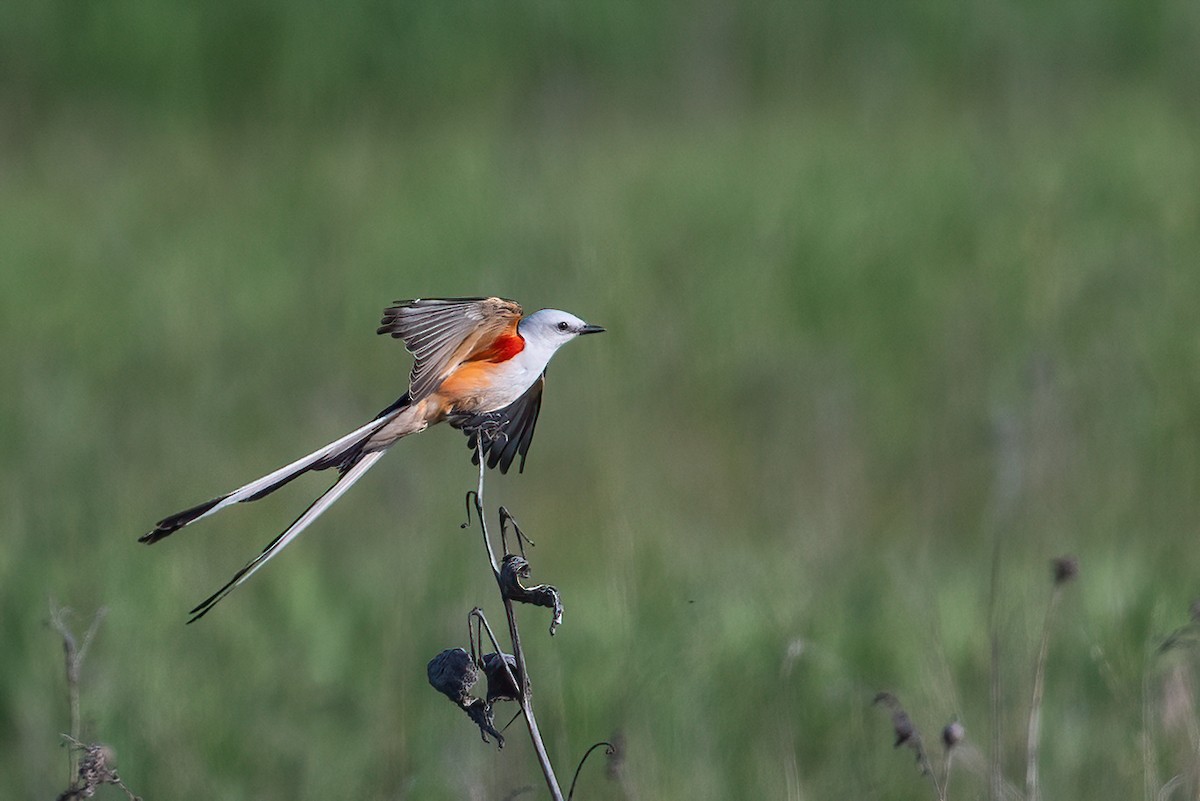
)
(890, 289)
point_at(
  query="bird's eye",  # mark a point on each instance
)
(564, 326)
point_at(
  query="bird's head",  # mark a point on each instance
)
(554, 328)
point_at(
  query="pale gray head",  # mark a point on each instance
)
(553, 328)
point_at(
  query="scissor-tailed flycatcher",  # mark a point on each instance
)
(479, 365)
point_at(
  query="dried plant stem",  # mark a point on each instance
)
(944, 793)
(1194, 739)
(927, 769)
(908, 735)
(1032, 791)
(1169, 787)
(74, 652)
(525, 699)
(1010, 455)
(995, 751)
(1149, 755)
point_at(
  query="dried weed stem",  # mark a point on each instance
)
(525, 699)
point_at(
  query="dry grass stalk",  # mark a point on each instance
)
(96, 762)
(1065, 569)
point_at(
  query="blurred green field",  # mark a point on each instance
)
(885, 297)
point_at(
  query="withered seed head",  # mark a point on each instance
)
(1065, 569)
(953, 734)
(499, 686)
(96, 767)
(513, 568)
(453, 674)
(903, 726)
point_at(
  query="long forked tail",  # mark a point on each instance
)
(340, 453)
(346, 480)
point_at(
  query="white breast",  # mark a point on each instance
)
(513, 377)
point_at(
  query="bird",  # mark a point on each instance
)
(479, 364)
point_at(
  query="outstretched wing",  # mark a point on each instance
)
(441, 333)
(505, 433)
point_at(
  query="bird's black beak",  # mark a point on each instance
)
(591, 329)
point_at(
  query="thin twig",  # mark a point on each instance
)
(525, 701)
(610, 749)
(487, 543)
(506, 518)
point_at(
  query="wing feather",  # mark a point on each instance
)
(441, 333)
(508, 432)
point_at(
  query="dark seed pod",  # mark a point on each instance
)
(453, 674)
(500, 686)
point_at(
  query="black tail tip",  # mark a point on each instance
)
(151, 537)
(162, 530)
(169, 525)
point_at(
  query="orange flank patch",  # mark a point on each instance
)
(469, 382)
(466, 382)
(503, 348)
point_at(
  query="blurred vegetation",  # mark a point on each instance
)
(891, 288)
